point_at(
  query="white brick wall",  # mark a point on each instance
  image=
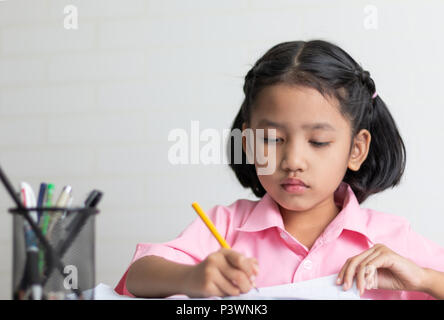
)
(22, 13)
(101, 9)
(47, 38)
(97, 66)
(23, 71)
(37, 100)
(93, 107)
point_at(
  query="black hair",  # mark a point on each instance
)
(331, 71)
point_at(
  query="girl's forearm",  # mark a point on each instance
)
(434, 283)
(153, 276)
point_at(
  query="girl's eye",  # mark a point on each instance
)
(315, 143)
(320, 144)
(271, 140)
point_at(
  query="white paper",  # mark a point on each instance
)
(105, 292)
(316, 289)
(324, 288)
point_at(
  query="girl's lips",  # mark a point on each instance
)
(293, 181)
(294, 188)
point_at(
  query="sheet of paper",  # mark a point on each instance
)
(105, 292)
(316, 289)
(324, 288)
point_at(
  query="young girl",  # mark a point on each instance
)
(333, 144)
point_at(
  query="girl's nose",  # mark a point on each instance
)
(293, 159)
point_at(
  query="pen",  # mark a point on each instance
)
(29, 199)
(31, 268)
(68, 205)
(44, 223)
(46, 217)
(212, 227)
(61, 202)
(93, 199)
(41, 199)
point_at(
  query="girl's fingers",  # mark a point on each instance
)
(240, 278)
(215, 291)
(350, 269)
(239, 261)
(362, 273)
(226, 286)
(340, 279)
(380, 261)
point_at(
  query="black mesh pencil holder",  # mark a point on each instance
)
(61, 265)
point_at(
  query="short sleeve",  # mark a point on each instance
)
(426, 254)
(192, 246)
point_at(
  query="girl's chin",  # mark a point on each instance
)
(291, 203)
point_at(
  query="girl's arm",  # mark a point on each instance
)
(222, 273)
(154, 276)
(434, 283)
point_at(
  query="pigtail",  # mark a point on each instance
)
(386, 158)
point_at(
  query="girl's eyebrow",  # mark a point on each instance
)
(307, 126)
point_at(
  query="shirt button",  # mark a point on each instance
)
(308, 264)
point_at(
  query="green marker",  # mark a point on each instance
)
(45, 222)
(48, 204)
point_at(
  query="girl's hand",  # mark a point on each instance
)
(393, 271)
(223, 273)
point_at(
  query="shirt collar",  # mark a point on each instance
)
(351, 217)
(266, 214)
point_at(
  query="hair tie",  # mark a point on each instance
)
(374, 95)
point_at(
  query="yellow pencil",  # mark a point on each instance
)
(210, 225)
(213, 229)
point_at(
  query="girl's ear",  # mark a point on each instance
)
(360, 149)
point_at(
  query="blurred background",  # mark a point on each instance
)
(92, 106)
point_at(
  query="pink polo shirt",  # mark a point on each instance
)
(256, 229)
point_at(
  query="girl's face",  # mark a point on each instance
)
(312, 143)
